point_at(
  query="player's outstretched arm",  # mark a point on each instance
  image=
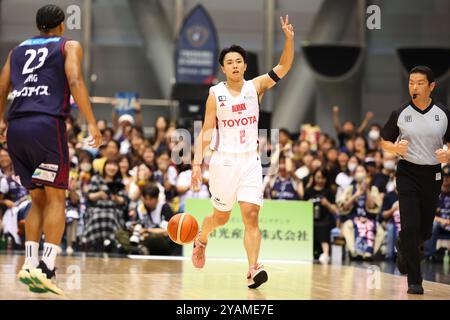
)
(268, 80)
(203, 140)
(5, 86)
(74, 56)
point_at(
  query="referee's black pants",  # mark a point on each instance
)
(418, 189)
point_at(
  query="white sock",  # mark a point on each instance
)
(49, 254)
(32, 253)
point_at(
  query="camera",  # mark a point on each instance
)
(136, 235)
(115, 187)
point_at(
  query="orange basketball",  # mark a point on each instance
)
(182, 228)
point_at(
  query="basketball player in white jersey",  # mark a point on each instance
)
(232, 108)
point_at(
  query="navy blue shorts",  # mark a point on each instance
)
(38, 148)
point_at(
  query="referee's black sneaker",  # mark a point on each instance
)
(401, 263)
(415, 289)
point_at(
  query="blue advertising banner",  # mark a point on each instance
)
(196, 51)
(126, 103)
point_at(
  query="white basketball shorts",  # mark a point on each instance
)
(235, 177)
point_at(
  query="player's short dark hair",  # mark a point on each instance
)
(423, 70)
(232, 48)
(150, 190)
(49, 17)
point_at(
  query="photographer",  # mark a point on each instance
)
(149, 230)
(106, 207)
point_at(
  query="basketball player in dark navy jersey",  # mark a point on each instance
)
(41, 73)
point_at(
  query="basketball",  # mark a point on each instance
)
(182, 228)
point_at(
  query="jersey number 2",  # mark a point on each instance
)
(242, 135)
(43, 52)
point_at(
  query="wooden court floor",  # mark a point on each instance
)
(91, 278)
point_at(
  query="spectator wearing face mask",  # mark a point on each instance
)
(359, 204)
(345, 178)
(306, 167)
(86, 171)
(385, 179)
(373, 137)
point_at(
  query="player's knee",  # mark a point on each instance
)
(251, 219)
(221, 219)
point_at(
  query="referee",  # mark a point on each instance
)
(416, 133)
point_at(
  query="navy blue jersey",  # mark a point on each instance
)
(284, 189)
(39, 83)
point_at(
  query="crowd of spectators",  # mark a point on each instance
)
(121, 196)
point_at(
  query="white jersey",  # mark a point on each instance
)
(237, 119)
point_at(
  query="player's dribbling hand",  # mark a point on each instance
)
(288, 28)
(96, 136)
(402, 147)
(442, 155)
(196, 178)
